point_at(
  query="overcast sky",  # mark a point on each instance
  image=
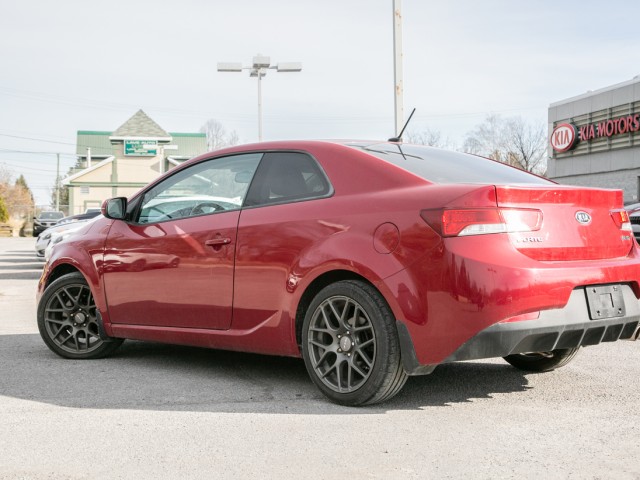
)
(90, 65)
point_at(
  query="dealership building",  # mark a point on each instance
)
(595, 139)
(118, 163)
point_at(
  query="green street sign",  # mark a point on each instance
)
(141, 148)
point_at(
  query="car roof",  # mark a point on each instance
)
(289, 145)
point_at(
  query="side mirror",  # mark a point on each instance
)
(115, 208)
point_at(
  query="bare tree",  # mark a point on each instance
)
(233, 138)
(527, 145)
(5, 175)
(488, 139)
(510, 140)
(429, 137)
(217, 136)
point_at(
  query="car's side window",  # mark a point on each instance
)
(211, 186)
(287, 177)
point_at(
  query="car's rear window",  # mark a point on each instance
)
(442, 166)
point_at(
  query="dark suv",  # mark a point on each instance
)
(44, 221)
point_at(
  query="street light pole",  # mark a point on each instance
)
(259, 106)
(258, 69)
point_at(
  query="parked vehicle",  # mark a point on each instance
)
(634, 218)
(45, 237)
(372, 261)
(44, 221)
(60, 232)
(88, 215)
(632, 207)
(67, 223)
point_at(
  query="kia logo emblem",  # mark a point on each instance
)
(564, 137)
(583, 217)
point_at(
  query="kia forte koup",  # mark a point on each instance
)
(371, 261)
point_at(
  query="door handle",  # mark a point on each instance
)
(218, 242)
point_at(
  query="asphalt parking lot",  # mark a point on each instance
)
(156, 411)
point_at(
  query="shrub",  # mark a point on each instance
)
(4, 213)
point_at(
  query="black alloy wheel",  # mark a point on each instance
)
(350, 344)
(67, 320)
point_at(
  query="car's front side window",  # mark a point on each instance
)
(211, 186)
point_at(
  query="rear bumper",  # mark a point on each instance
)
(554, 329)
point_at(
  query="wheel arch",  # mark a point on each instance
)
(374, 328)
(315, 287)
(76, 315)
(408, 354)
(84, 266)
(59, 271)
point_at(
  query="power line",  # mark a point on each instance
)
(36, 139)
(21, 167)
(90, 103)
(8, 150)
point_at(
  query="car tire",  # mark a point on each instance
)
(350, 345)
(67, 320)
(542, 361)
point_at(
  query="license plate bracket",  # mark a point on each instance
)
(605, 301)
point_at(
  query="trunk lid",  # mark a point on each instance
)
(577, 223)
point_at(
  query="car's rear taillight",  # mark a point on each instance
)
(480, 221)
(621, 219)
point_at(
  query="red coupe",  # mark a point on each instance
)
(372, 261)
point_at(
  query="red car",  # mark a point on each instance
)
(372, 261)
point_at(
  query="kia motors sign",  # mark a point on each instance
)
(611, 127)
(564, 137)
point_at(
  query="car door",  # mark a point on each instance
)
(172, 265)
(279, 221)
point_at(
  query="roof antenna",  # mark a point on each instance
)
(399, 137)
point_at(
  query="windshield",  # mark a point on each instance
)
(443, 166)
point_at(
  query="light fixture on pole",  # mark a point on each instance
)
(258, 69)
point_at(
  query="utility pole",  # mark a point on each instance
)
(58, 183)
(397, 64)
